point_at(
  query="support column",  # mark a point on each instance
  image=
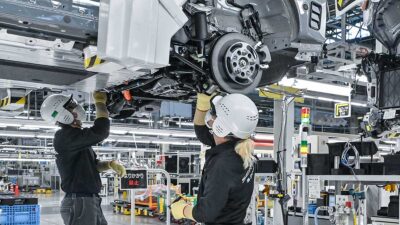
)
(285, 140)
(343, 29)
(283, 134)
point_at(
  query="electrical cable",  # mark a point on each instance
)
(279, 156)
(345, 158)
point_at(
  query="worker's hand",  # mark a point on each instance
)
(118, 168)
(100, 97)
(203, 101)
(177, 209)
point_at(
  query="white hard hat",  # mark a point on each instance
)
(236, 114)
(56, 108)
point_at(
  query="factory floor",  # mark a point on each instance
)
(50, 207)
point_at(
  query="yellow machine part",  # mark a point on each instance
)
(276, 93)
(391, 187)
(126, 211)
(124, 195)
(161, 210)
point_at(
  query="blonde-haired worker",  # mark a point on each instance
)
(226, 188)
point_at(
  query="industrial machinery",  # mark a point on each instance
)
(342, 210)
(160, 49)
(383, 69)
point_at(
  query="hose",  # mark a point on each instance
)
(285, 216)
(322, 208)
(354, 217)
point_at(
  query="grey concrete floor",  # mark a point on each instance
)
(50, 206)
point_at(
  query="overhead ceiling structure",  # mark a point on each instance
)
(123, 137)
(332, 81)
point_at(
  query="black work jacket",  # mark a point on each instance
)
(226, 188)
(76, 160)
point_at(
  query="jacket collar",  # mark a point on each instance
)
(224, 147)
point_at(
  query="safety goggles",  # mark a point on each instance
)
(211, 115)
(209, 118)
(71, 104)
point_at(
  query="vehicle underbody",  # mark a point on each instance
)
(229, 45)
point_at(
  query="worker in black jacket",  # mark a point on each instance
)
(227, 184)
(76, 161)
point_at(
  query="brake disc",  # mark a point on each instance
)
(235, 64)
(241, 62)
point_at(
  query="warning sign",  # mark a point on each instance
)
(134, 179)
(314, 187)
(342, 110)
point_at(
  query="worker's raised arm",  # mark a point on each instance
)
(200, 128)
(79, 139)
(100, 100)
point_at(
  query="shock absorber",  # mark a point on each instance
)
(201, 30)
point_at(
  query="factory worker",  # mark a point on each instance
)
(226, 188)
(76, 161)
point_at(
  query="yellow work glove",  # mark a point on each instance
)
(118, 168)
(100, 97)
(203, 101)
(177, 209)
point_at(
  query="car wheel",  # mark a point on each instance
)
(235, 64)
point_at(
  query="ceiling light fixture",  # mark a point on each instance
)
(166, 133)
(190, 124)
(11, 124)
(114, 131)
(315, 86)
(145, 121)
(39, 126)
(334, 100)
(5, 134)
(26, 160)
(45, 136)
(261, 136)
(149, 141)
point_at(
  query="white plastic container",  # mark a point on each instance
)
(137, 33)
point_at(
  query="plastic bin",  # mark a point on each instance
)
(312, 208)
(137, 34)
(20, 215)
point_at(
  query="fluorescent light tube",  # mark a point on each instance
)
(11, 124)
(166, 133)
(315, 86)
(334, 100)
(155, 133)
(39, 126)
(118, 131)
(45, 136)
(190, 124)
(26, 160)
(260, 136)
(4, 134)
(145, 121)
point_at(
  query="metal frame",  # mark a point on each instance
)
(362, 179)
(69, 18)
